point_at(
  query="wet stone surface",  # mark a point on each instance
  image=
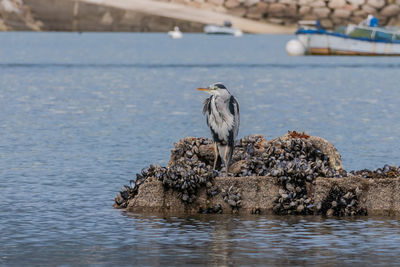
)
(211, 210)
(293, 159)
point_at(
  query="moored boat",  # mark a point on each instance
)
(176, 33)
(313, 39)
(226, 29)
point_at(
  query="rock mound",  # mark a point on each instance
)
(293, 161)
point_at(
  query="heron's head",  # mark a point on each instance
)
(215, 89)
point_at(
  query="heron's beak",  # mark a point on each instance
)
(204, 89)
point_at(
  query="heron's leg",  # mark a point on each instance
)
(226, 159)
(216, 155)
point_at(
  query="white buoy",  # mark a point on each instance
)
(238, 33)
(295, 48)
(176, 33)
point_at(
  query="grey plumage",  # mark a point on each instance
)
(223, 118)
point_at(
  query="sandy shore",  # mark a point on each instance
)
(181, 12)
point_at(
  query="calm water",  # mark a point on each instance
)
(80, 114)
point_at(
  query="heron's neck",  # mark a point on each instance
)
(222, 94)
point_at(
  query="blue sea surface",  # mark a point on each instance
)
(81, 114)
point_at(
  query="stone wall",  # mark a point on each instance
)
(16, 15)
(329, 12)
(59, 15)
(258, 194)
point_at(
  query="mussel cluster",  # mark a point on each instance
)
(294, 161)
(282, 158)
(192, 150)
(232, 196)
(341, 202)
(188, 170)
(386, 171)
(248, 147)
(130, 191)
(121, 200)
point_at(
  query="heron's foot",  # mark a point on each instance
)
(216, 173)
(217, 164)
(224, 170)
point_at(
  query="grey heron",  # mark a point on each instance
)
(222, 113)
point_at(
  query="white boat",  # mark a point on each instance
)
(225, 29)
(312, 39)
(176, 33)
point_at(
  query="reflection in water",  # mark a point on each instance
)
(221, 245)
(225, 240)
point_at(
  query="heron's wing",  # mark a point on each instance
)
(234, 110)
(206, 104)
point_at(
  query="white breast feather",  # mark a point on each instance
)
(222, 122)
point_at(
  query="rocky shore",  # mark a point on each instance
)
(254, 16)
(16, 15)
(292, 174)
(330, 13)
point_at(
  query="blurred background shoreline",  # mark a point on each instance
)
(252, 16)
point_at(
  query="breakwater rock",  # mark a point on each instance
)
(329, 12)
(16, 15)
(292, 174)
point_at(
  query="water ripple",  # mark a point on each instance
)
(201, 65)
(80, 115)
